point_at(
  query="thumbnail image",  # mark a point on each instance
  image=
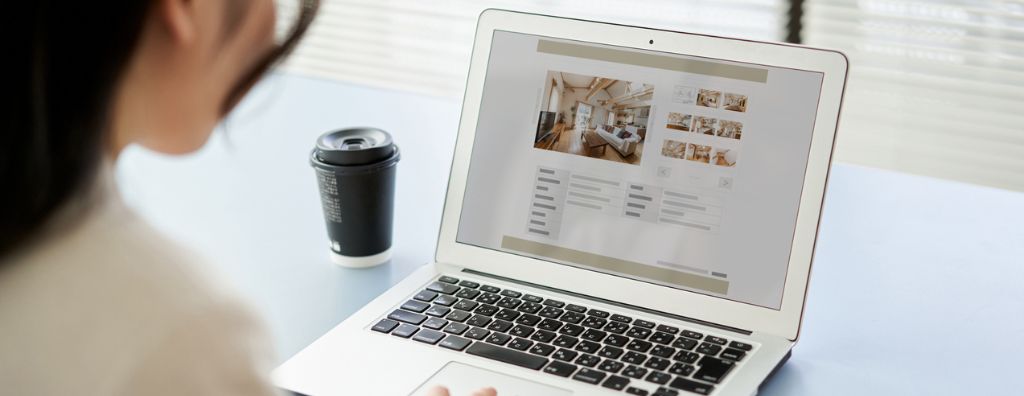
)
(679, 121)
(705, 125)
(735, 102)
(684, 95)
(673, 149)
(698, 153)
(708, 98)
(724, 157)
(730, 129)
(592, 116)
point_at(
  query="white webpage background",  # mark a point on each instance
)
(759, 213)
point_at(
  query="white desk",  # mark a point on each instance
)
(917, 285)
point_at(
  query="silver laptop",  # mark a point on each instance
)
(630, 211)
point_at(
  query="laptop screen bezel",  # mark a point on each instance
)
(784, 321)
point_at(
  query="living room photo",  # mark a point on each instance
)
(594, 117)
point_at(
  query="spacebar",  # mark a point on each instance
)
(507, 355)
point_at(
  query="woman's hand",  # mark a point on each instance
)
(442, 391)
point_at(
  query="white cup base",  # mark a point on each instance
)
(361, 261)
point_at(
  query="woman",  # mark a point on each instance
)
(92, 300)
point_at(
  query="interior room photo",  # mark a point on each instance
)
(730, 129)
(735, 102)
(679, 122)
(594, 117)
(709, 98)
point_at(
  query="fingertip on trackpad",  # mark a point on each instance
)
(462, 380)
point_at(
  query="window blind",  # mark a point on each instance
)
(936, 87)
(424, 45)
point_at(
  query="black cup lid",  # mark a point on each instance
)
(354, 146)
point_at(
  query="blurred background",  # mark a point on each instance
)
(936, 87)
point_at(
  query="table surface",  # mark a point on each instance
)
(916, 286)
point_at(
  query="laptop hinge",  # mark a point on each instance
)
(610, 302)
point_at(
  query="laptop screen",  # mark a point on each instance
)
(677, 170)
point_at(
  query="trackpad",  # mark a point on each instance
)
(462, 379)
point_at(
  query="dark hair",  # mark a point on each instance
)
(64, 62)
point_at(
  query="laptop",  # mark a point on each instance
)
(629, 211)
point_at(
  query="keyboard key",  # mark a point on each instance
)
(616, 340)
(681, 369)
(490, 289)
(638, 332)
(466, 305)
(616, 382)
(551, 312)
(507, 355)
(477, 333)
(488, 298)
(529, 320)
(634, 372)
(572, 317)
(415, 306)
(610, 366)
(610, 352)
(643, 323)
(709, 349)
(589, 376)
(658, 377)
(532, 298)
(598, 313)
(716, 340)
(587, 360)
(572, 330)
(455, 343)
(549, 325)
(543, 336)
(657, 363)
(438, 311)
(554, 303)
(520, 344)
(636, 391)
(576, 308)
(594, 335)
(456, 328)
(692, 334)
(565, 355)
(616, 327)
(507, 314)
(469, 284)
(594, 322)
(445, 300)
(521, 331)
(509, 302)
(668, 329)
(385, 325)
(663, 391)
(478, 321)
(662, 338)
(741, 346)
(468, 294)
(435, 323)
(407, 317)
(691, 386)
(712, 369)
(685, 343)
(458, 316)
(588, 347)
(565, 341)
(448, 279)
(663, 351)
(498, 338)
(542, 349)
(733, 354)
(425, 296)
(443, 288)
(499, 325)
(621, 318)
(405, 330)
(560, 369)
(530, 307)
(428, 336)
(485, 309)
(511, 293)
(634, 358)
(638, 345)
(686, 357)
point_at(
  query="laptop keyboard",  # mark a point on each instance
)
(565, 340)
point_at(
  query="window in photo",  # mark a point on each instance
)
(684, 95)
(698, 153)
(679, 122)
(730, 129)
(705, 125)
(709, 98)
(735, 102)
(673, 149)
(592, 116)
(724, 157)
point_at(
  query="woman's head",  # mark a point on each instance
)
(89, 78)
